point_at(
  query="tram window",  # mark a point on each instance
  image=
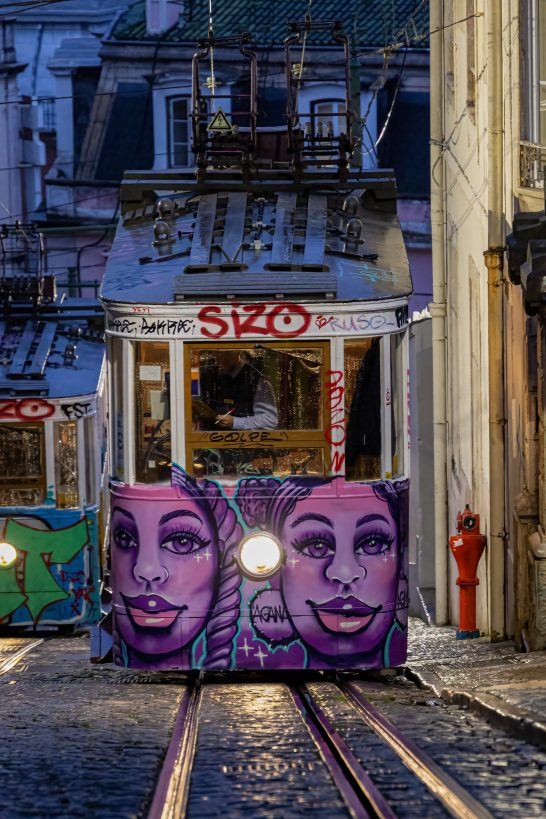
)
(116, 380)
(398, 375)
(263, 387)
(22, 467)
(66, 464)
(362, 365)
(237, 463)
(91, 444)
(153, 412)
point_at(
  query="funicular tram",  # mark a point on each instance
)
(52, 445)
(256, 319)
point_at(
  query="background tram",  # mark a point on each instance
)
(256, 322)
(51, 454)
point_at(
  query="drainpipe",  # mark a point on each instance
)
(438, 310)
(494, 259)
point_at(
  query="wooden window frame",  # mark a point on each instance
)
(300, 439)
(25, 483)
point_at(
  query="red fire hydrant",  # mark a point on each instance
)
(467, 547)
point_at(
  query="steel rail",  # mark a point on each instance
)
(172, 789)
(447, 790)
(361, 796)
(12, 661)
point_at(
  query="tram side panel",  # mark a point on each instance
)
(49, 517)
(55, 578)
(183, 597)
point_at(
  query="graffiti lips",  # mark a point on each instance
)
(152, 611)
(344, 615)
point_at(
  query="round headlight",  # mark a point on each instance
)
(260, 556)
(8, 555)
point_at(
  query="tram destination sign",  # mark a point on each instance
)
(280, 320)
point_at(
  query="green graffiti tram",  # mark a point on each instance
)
(52, 448)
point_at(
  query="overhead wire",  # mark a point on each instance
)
(387, 52)
(29, 6)
(212, 79)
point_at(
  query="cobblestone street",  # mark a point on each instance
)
(81, 740)
(89, 741)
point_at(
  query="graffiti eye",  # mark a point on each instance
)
(374, 543)
(183, 543)
(124, 539)
(317, 547)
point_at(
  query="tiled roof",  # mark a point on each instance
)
(378, 22)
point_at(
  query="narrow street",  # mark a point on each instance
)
(89, 740)
(273, 409)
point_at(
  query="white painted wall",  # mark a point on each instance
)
(465, 157)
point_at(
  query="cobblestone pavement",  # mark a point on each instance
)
(256, 758)
(506, 687)
(507, 775)
(88, 741)
(408, 797)
(80, 740)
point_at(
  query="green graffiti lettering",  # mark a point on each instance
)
(11, 596)
(40, 548)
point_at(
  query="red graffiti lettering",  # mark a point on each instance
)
(30, 409)
(336, 430)
(210, 315)
(338, 462)
(248, 324)
(292, 312)
(275, 320)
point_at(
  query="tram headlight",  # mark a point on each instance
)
(8, 555)
(260, 555)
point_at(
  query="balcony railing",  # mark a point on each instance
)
(531, 165)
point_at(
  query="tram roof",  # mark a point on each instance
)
(318, 238)
(59, 356)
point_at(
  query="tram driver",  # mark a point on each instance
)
(237, 393)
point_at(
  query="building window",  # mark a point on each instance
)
(179, 131)
(533, 146)
(47, 106)
(329, 111)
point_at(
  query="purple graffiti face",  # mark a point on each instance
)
(164, 571)
(341, 575)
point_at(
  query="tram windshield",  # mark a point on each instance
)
(269, 395)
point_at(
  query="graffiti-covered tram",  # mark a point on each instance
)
(52, 447)
(256, 321)
(260, 444)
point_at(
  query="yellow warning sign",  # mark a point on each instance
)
(219, 122)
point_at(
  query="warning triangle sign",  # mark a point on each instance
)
(219, 122)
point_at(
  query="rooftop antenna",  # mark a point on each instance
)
(312, 146)
(217, 141)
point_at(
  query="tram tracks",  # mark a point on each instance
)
(11, 652)
(171, 793)
(360, 794)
